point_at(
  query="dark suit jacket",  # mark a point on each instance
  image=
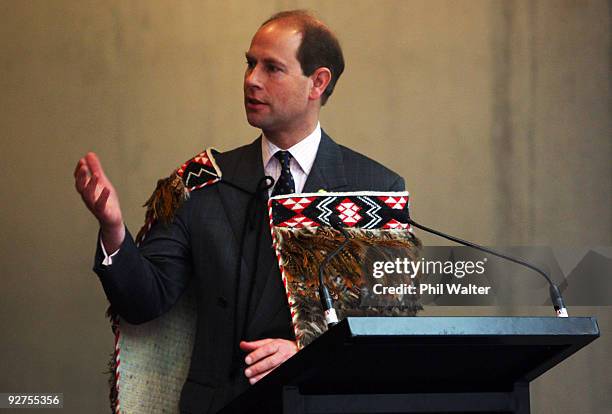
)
(202, 245)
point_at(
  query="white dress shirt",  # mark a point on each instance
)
(303, 156)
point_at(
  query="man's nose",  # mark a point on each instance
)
(252, 77)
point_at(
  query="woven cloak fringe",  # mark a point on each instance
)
(305, 248)
(168, 196)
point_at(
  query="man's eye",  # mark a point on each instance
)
(273, 69)
(250, 64)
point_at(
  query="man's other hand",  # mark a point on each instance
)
(265, 355)
(101, 199)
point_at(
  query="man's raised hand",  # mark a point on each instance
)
(101, 199)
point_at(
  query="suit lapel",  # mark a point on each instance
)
(327, 174)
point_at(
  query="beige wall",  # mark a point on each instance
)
(497, 113)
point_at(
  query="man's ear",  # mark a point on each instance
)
(320, 79)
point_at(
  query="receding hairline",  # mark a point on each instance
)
(296, 18)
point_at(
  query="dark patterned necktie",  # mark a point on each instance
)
(285, 183)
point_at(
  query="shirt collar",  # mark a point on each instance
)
(304, 152)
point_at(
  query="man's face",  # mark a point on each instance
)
(275, 89)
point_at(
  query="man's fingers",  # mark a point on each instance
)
(89, 192)
(78, 166)
(269, 354)
(94, 164)
(266, 364)
(261, 352)
(80, 179)
(256, 378)
(250, 346)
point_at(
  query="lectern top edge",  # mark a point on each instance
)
(471, 326)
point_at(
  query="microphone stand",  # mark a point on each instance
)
(555, 293)
(331, 318)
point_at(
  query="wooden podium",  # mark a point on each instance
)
(419, 365)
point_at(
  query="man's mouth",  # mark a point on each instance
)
(252, 102)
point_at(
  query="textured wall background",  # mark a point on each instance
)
(497, 113)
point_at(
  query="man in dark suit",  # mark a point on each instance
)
(219, 237)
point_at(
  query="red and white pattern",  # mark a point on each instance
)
(201, 158)
(115, 404)
(394, 224)
(395, 202)
(200, 171)
(367, 210)
(299, 221)
(349, 212)
(297, 203)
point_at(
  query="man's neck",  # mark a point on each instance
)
(287, 139)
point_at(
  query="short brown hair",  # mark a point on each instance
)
(319, 47)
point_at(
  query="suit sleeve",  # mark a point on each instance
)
(398, 185)
(143, 283)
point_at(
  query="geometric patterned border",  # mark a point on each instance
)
(366, 210)
(200, 171)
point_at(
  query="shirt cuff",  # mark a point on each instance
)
(108, 259)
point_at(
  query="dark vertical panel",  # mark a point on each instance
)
(532, 116)
(502, 16)
(610, 95)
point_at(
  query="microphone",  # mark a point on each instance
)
(555, 293)
(331, 318)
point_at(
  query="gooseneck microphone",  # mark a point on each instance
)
(331, 318)
(555, 293)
